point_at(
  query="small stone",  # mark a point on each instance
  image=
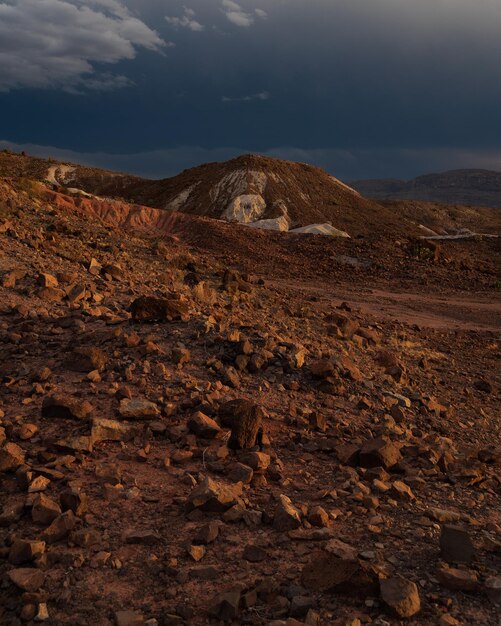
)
(239, 472)
(181, 356)
(493, 589)
(27, 579)
(207, 534)
(287, 517)
(47, 280)
(66, 407)
(213, 496)
(203, 426)
(27, 431)
(40, 483)
(196, 552)
(255, 554)
(111, 430)
(11, 457)
(318, 516)
(44, 510)
(151, 309)
(128, 618)
(74, 500)
(87, 359)
(143, 537)
(457, 579)
(43, 613)
(327, 572)
(401, 595)
(258, 461)
(380, 452)
(137, 409)
(401, 491)
(60, 528)
(226, 606)
(24, 551)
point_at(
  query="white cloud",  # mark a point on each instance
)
(56, 43)
(262, 95)
(238, 16)
(187, 20)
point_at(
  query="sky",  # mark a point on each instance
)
(363, 88)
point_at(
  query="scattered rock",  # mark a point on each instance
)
(456, 545)
(213, 496)
(245, 420)
(60, 406)
(137, 409)
(401, 595)
(287, 517)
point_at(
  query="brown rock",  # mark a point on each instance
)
(207, 534)
(245, 420)
(128, 618)
(457, 579)
(74, 500)
(203, 426)
(197, 553)
(111, 430)
(401, 595)
(380, 452)
(456, 545)
(87, 359)
(240, 473)
(60, 528)
(213, 496)
(493, 589)
(254, 554)
(27, 579)
(44, 510)
(137, 409)
(401, 491)
(287, 517)
(226, 606)
(322, 368)
(181, 356)
(143, 537)
(11, 457)
(258, 461)
(327, 572)
(318, 516)
(47, 280)
(24, 551)
(66, 407)
(150, 309)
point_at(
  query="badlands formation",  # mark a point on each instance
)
(203, 422)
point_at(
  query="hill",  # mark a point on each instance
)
(264, 192)
(466, 187)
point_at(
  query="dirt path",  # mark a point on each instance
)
(427, 310)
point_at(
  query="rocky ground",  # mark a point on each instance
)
(225, 426)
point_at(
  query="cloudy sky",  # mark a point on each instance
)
(364, 88)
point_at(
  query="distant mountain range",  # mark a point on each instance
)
(465, 187)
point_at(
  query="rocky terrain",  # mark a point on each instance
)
(205, 423)
(465, 187)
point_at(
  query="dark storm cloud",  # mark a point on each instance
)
(363, 87)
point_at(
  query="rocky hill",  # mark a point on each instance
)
(253, 190)
(481, 188)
